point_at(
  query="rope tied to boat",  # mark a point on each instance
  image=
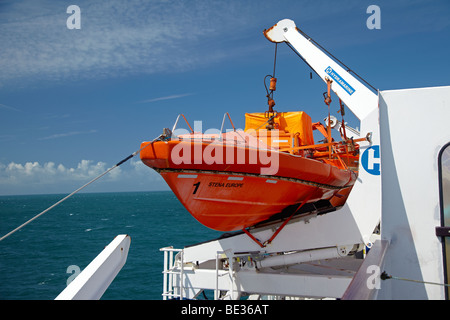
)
(386, 276)
(81, 188)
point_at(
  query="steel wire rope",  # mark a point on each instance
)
(270, 94)
(79, 189)
(330, 55)
(386, 276)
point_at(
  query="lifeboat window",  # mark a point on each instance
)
(444, 186)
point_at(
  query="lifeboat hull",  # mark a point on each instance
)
(229, 196)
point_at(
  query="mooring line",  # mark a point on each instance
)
(79, 189)
(385, 276)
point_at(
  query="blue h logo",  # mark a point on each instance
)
(370, 160)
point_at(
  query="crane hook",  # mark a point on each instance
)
(327, 94)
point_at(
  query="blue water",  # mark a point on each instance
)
(34, 260)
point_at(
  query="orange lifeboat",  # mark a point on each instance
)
(234, 180)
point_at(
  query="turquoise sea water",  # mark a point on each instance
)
(34, 260)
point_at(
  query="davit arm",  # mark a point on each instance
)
(358, 98)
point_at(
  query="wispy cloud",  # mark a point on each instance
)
(67, 134)
(4, 106)
(171, 97)
(116, 38)
(119, 38)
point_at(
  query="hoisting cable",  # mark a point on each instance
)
(342, 112)
(272, 88)
(79, 189)
(385, 276)
(273, 79)
(304, 60)
(327, 100)
(329, 54)
(275, 59)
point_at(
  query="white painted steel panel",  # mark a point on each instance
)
(414, 127)
(93, 281)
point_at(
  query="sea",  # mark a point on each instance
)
(37, 260)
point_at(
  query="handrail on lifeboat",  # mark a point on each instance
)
(176, 122)
(232, 124)
(223, 122)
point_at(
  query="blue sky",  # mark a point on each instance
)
(75, 102)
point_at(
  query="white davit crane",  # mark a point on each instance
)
(358, 98)
(363, 103)
(236, 264)
(313, 256)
